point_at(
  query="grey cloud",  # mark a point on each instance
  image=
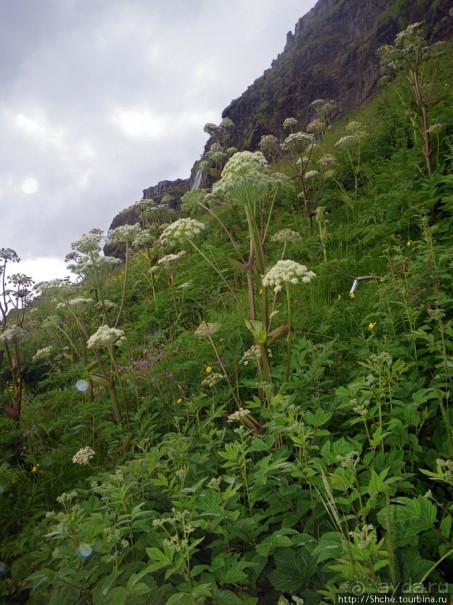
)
(102, 98)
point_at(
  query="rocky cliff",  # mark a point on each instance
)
(330, 55)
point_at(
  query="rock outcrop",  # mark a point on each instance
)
(331, 55)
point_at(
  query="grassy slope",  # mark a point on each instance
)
(286, 511)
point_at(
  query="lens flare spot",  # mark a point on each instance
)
(81, 385)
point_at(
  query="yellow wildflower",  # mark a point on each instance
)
(208, 369)
(351, 295)
(260, 292)
(371, 325)
(409, 243)
(339, 297)
(179, 400)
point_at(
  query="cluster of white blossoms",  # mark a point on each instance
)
(88, 242)
(106, 337)
(253, 354)
(287, 272)
(124, 233)
(297, 142)
(284, 236)
(316, 127)
(143, 239)
(357, 134)
(364, 536)
(171, 258)
(206, 329)
(108, 304)
(83, 456)
(245, 178)
(74, 302)
(13, 334)
(327, 160)
(310, 174)
(212, 379)
(181, 230)
(42, 353)
(290, 123)
(235, 416)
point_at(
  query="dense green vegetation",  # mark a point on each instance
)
(255, 406)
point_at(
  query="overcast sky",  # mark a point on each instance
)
(101, 99)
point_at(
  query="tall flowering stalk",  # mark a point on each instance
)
(186, 230)
(286, 273)
(409, 55)
(352, 143)
(301, 146)
(14, 293)
(86, 261)
(248, 184)
(107, 338)
(126, 235)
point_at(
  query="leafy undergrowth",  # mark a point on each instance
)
(254, 407)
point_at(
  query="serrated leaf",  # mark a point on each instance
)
(293, 569)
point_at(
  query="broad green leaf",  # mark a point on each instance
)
(293, 569)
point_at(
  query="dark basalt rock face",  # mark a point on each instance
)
(331, 55)
(174, 189)
(167, 193)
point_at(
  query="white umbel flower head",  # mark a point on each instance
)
(42, 353)
(106, 337)
(287, 272)
(83, 456)
(13, 334)
(206, 329)
(287, 235)
(125, 233)
(181, 230)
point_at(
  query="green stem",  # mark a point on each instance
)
(288, 361)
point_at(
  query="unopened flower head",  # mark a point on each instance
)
(9, 255)
(310, 174)
(106, 337)
(83, 456)
(181, 230)
(287, 272)
(206, 329)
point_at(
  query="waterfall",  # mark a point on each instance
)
(197, 180)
